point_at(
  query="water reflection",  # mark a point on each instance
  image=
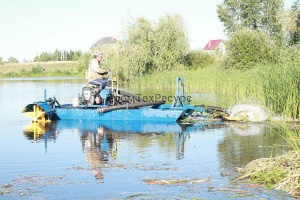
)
(237, 145)
(244, 142)
(100, 139)
(179, 140)
(97, 146)
(40, 130)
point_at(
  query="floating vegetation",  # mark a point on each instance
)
(282, 172)
(28, 185)
(174, 181)
(138, 196)
(156, 168)
(238, 191)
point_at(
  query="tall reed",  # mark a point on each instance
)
(291, 133)
(275, 86)
(231, 85)
(282, 89)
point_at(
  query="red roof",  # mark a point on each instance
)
(212, 44)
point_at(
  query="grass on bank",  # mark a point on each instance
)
(40, 69)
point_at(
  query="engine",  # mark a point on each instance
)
(90, 96)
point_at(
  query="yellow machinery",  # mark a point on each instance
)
(39, 111)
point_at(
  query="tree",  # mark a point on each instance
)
(293, 23)
(1, 62)
(12, 60)
(171, 43)
(147, 47)
(246, 48)
(56, 55)
(77, 55)
(70, 55)
(155, 46)
(138, 46)
(36, 58)
(252, 14)
(83, 62)
(44, 57)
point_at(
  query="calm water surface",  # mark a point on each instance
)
(74, 159)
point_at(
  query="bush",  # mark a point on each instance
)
(246, 48)
(196, 59)
(290, 54)
(10, 74)
(83, 62)
(12, 60)
(37, 69)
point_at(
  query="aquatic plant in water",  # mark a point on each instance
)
(282, 172)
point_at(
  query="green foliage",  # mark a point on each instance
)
(84, 61)
(23, 71)
(76, 55)
(11, 74)
(195, 59)
(171, 44)
(282, 88)
(1, 62)
(290, 54)
(12, 60)
(115, 59)
(138, 46)
(275, 86)
(58, 55)
(252, 14)
(148, 47)
(44, 57)
(294, 24)
(269, 177)
(246, 48)
(37, 69)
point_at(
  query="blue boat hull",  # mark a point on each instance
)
(146, 114)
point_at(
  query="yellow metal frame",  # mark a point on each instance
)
(38, 114)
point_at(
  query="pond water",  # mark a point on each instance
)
(75, 159)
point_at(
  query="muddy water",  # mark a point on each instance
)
(75, 159)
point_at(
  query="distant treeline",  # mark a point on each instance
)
(58, 55)
(10, 60)
(46, 56)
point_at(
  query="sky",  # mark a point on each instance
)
(29, 27)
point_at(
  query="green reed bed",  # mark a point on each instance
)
(275, 86)
(282, 89)
(291, 133)
(231, 84)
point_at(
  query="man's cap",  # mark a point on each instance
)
(98, 53)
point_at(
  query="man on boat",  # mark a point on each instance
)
(96, 74)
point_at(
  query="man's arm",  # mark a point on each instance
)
(97, 68)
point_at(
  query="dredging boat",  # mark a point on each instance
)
(110, 103)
